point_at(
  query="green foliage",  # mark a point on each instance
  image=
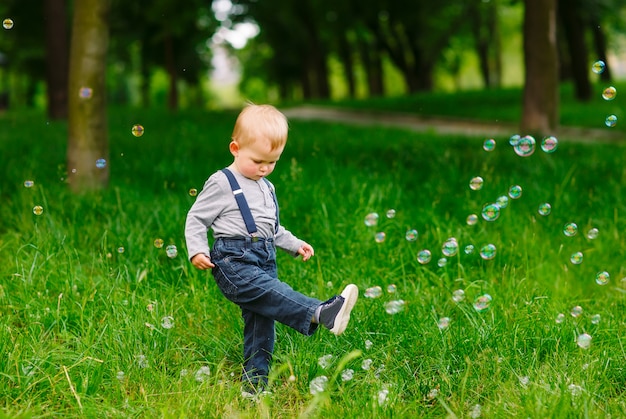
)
(81, 327)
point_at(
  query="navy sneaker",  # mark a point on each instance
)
(335, 313)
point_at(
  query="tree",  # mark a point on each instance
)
(541, 83)
(571, 18)
(88, 147)
(56, 57)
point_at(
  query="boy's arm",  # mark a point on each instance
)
(205, 209)
(286, 241)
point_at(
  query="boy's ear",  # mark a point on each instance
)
(234, 148)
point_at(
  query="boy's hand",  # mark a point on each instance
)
(306, 251)
(202, 261)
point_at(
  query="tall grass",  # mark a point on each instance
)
(85, 296)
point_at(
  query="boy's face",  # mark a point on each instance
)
(255, 160)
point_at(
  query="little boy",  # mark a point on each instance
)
(239, 205)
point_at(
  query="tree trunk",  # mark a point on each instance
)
(57, 56)
(541, 88)
(599, 46)
(345, 56)
(573, 29)
(88, 145)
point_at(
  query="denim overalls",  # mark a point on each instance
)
(245, 272)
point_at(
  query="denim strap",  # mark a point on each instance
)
(241, 202)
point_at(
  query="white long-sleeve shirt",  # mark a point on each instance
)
(216, 209)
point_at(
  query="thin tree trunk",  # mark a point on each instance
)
(57, 56)
(88, 145)
(577, 47)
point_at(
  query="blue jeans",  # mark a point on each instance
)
(245, 272)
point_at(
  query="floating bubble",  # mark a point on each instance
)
(576, 258)
(488, 252)
(347, 374)
(570, 229)
(609, 93)
(382, 396)
(610, 121)
(482, 302)
(29, 183)
(368, 344)
(476, 411)
(433, 393)
(120, 250)
(515, 192)
(424, 256)
(202, 374)
(575, 390)
(85, 92)
(391, 213)
(595, 319)
(371, 219)
(318, 384)
(489, 144)
(443, 323)
(458, 295)
(469, 249)
(7, 23)
(450, 247)
(101, 163)
(137, 130)
(442, 262)
(37, 210)
(142, 361)
(514, 139)
(391, 288)
(502, 201)
(366, 364)
(584, 341)
(549, 144)
(544, 209)
(411, 235)
(193, 192)
(576, 311)
(524, 381)
(592, 234)
(325, 361)
(373, 292)
(171, 251)
(598, 67)
(120, 375)
(602, 278)
(167, 322)
(472, 219)
(560, 318)
(394, 306)
(525, 146)
(158, 243)
(380, 237)
(476, 183)
(491, 212)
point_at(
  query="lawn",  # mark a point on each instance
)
(97, 319)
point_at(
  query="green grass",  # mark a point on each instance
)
(75, 313)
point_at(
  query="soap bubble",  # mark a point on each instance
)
(29, 183)
(158, 243)
(443, 323)
(491, 212)
(366, 364)
(469, 249)
(137, 130)
(325, 361)
(515, 192)
(120, 375)
(167, 322)
(472, 219)
(488, 252)
(202, 373)
(37, 210)
(411, 235)
(544, 209)
(442, 262)
(373, 292)
(489, 144)
(514, 139)
(549, 144)
(347, 374)
(525, 146)
(7, 23)
(380, 237)
(576, 258)
(368, 344)
(609, 93)
(423, 256)
(371, 219)
(85, 92)
(502, 201)
(592, 234)
(598, 67)
(391, 288)
(595, 319)
(576, 311)
(391, 213)
(318, 384)
(171, 251)
(458, 296)
(584, 341)
(120, 250)
(570, 229)
(482, 302)
(476, 183)
(602, 278)
(560, 318)
(450, 247)
(101, 163)
(610, 121)
(193, 192)
(394, 306)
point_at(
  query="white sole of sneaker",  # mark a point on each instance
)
(350, 295)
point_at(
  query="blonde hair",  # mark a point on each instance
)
(260, 121)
